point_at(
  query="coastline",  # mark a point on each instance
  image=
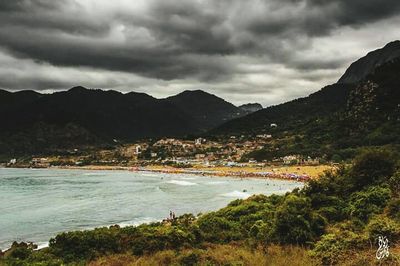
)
(295, 173)
(41, 243)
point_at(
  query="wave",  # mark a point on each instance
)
(216, 182)
(237, 194)
(136, 222)
(181, 183)
(281, 191)
(188, 178)
(93, 174)
(41, 245)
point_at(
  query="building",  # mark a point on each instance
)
(138, 149)
(290, 159)
(199, 141)
(264, 136)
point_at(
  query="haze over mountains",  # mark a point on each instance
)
(368, 91)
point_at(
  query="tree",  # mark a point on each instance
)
(295, 222)
(372, 167)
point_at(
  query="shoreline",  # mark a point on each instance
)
(44, 244)
(294, 173)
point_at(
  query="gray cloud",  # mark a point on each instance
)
(246, 47)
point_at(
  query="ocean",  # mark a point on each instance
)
(36, 204)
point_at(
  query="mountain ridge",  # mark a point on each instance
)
(80, 117)
(359, 69)
(339, 118)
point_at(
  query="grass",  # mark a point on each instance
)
(236, 254)
(215, 255)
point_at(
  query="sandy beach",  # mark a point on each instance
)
(299, 173)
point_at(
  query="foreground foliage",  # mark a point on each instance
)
(340, 214)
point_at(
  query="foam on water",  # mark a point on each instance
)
(237, 194)
(136, 222)
(93, 174)
(188, 178)
(216, 183)
(181, 183)
(42, 245)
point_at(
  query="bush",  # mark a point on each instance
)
(366, 203)
(371, 168)
(394, 209)
(383, 226)
(192, 258)
(218, 229)
(295, 222)
(333, 246)
(394, 183)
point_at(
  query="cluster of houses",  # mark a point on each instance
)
(202, 151)
(229, 151)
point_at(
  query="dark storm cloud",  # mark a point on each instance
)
(50, 31)
(319, 17)
(201, 41)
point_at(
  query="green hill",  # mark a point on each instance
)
(339, 118)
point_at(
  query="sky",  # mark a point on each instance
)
(265, 51)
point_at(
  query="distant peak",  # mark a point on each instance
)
(251, 107)
(395, 43)
(194, 92)
(366, 65)
(78, 89)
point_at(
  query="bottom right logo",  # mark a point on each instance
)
(383, 249)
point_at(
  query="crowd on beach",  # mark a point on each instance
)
(241, 174)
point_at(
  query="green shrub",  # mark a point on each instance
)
(366, 203)
(295, 222)
(333, 246)
(394, 208)
(372, 167)
(218, 229)
(383, 226)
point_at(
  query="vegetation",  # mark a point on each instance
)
(337, 122)
(341, 213)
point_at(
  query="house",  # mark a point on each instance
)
(199, 141)
(290, 159)
(264, 136)
(200, 156)
(273, 125)
(40, 162)
(138, 149)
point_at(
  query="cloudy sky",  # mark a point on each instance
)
(266, 51)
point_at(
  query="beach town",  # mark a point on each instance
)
(200, 156)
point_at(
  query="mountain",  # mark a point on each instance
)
(34, 122)
(366, 65)
(289, 115)
(250, 107)
(206, 110)
(338, 118)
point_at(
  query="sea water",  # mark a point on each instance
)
(36, 204)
